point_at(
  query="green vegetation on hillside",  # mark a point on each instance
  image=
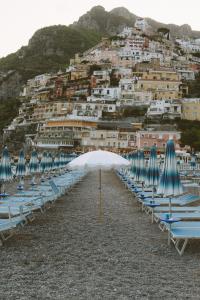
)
(49, 50)
(194, 88)
(134, 111)
(8, 111)
(190, 133)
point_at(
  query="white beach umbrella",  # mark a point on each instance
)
(99, 160)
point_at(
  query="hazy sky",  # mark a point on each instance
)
(19, 19)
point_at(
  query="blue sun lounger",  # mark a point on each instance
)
(181, 235)
(183, 224)
(34, 202)
(182, 200)
(194, 215)
(176, 209)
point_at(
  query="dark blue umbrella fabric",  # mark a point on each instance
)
(21, 165)
(169, 183)
(152, 176)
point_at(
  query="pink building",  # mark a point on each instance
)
(147, 139)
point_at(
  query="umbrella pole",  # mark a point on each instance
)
(170, 215)
(152, 220)
(3, 188)
(100, 197)
(170, 207)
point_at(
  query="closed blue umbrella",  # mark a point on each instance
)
(5, 168)
(169, 183)
(57, 162)
(49, 164)
(34, 166)
(152, 176)
(43, 165)
(21, 165)
(34, 163)
(21, 169)
(140, 167)
(133, 165)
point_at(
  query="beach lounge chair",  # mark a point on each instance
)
(181, 235)
(7, 227)
(181, 200)
(194, 215)
(163, 209)
(33, 202)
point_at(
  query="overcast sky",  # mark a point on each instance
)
(19, 19)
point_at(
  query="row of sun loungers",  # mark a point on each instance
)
(18, 209)
(183, 210)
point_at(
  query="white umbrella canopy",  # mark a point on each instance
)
(99, 160)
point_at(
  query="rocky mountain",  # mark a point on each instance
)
(112, 22)
(106, 23)
(49, 50)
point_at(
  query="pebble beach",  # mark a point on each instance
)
(78, 251)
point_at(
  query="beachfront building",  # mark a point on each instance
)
(146, 139)
(86, 133)
(169, 109)
(110, 139)
(64, 132)
(191, 109)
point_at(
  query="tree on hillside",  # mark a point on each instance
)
(164, 32)
(194, 87)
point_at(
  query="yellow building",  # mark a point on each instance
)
(47, 110)
(191, 109)
(78, 74)
(164, 84)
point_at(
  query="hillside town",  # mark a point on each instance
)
(109, 96)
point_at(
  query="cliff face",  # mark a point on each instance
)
(49, 50)
(106, 23)
(10, 85)
(110, 22)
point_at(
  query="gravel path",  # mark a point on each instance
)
(72, 253)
